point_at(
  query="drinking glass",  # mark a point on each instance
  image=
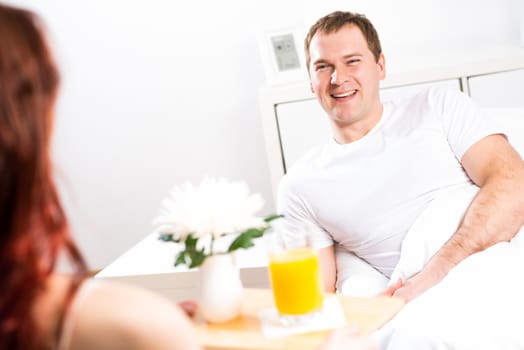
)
(295, 277)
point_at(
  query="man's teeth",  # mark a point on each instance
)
(346, 94)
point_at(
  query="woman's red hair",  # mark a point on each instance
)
(33, 226)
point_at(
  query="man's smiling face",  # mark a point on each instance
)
(345, 76)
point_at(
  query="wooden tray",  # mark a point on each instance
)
(245, 331)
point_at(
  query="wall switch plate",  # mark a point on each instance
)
(285, 52)
(282, 59)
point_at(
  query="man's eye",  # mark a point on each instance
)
(353, 61)
(321, 67)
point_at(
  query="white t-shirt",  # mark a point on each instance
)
(366, 194)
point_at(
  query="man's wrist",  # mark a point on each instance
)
(438, 267)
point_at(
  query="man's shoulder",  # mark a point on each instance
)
(304, 167)
(433, 100)
(309, 159)
(436, 96)
(429, 94)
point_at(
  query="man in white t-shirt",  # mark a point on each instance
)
(386, 162)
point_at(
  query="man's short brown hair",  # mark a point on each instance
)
(336, 20)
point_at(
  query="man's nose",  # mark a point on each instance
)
(338, 77)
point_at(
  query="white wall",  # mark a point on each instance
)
(155, 93)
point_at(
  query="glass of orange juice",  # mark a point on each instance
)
(294, 273)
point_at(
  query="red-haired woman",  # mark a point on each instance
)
(40, 309)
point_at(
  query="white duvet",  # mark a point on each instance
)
(478, 305)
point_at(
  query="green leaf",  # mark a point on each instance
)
(180, 258)
(190, 242)
(245, 239)
(241, 241)
(273, 217)
(197, 257)
(255, 232)
(190, 256)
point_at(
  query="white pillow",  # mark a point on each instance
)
(432, 228)
(511, 120)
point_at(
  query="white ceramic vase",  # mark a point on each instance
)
(221, 290)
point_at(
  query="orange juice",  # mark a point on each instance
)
(295, 280)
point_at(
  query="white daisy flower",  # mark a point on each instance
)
(209, 211)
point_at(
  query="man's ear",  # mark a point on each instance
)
(311, 87)
(382, 66)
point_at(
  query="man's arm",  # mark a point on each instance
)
(495, 214)
(328, 267)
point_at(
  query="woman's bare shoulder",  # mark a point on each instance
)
(48, 307)
(119, 316)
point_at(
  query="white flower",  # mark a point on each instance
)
(216, 207)
(200, 217)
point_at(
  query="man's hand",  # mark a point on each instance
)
(430, 275)
(392, 289)
(409, 289)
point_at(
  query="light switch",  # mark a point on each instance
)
(285, 52)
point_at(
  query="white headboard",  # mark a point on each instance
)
(294, 122)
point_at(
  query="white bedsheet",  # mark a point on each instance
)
(478, 305)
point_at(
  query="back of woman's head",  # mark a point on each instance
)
(33, 227)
